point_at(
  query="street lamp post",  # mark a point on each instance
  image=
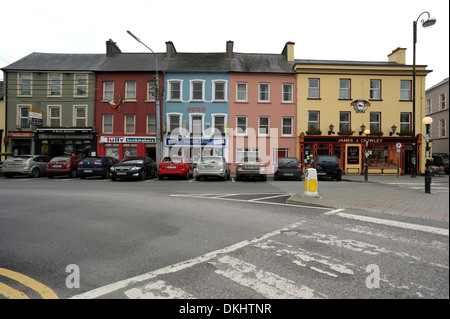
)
(366, 165)
(425, 23)
(157, 102)
(427, 121)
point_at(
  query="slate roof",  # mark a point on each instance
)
(132, 62)
(37, 61)
(437, 85)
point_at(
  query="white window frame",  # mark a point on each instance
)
(169, 92)
(112, 123)
(346, 123)
(313, 90)
(191, 122)
(442, 128)
(261, 127)
(180, 119)
(76, 85)
(238, 132)
(19, 115)
(290, 93)
(149, 116)
(21, 85)
(378, 123)
(429, 105)
(408, 123)
(105, 97)
(405, 93)
(291, 126)
(238, 91)
(49, 115)
(75, 115)
(442, 101)
(151, 91)
(191, 85)
(374, 90)
(345, 92)
(125, 128)
(225, 90)
(260, 91)
(312, 122)
(225, 118)
(130, 91)
(51, 85)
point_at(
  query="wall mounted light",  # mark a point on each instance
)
(363, 128)
(331, 127)
(393, 128)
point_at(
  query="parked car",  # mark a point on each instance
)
(31, 165)
(212, 166)
(96, 166)
(134, 167)
(288, 168)
(175, 166)
(251, 167)
(441, 159)
(63, 165)
(328, 166)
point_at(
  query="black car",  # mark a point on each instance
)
(441, 159)
(328, 166)
(96, 166)
(288, 168)
(136, 167)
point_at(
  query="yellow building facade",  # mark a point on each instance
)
(339, 100)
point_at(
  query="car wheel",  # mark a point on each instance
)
(187, 175)
(142, 175)
(35, 172)
(107, 174)
(339, 177)
(73, 174)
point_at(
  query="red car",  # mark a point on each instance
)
(175, 166)
(63, 165)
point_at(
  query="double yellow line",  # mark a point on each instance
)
(12, 293)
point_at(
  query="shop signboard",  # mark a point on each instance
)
(35, 117)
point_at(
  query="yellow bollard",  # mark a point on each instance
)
(311, 184)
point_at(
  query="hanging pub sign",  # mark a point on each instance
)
(360, 106)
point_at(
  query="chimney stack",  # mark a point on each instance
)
(398, 56)
(288, 51)
(170, 50)
(111, 48)
(230, 49)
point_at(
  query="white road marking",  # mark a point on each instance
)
(176, 267)
(158, 290)
(268, 197)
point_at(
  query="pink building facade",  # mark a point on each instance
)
(263, 113)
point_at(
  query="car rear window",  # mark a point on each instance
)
(18, 158)
(90, 159)
(173, 160)
(211, 159)
(60, 159)
(287, 160)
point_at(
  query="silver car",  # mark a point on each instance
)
(31, 165)
(212, 166)
(251, 167)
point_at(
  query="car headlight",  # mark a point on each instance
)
(134, 168)
(112, 168)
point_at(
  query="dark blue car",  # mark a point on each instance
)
(96, 166)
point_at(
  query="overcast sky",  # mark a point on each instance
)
(354, 30)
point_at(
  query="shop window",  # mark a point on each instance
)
(382, 156)
(130, 150)
(112, 150)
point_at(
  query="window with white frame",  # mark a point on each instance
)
(375, 89)
(248, 154)
(22, 120)
(344, 121)
(174, 123)
(54, 85)
(219, 124)
(81, 85)
(344, 89)
(130, 123)
(54, 115)
(25, 84)
(241, 92)
(264, 92)
(130, 90)
(108, 90)
(174, 90)
(151, 123)
(197, 90)
(287, 126)
(220, 90)
(263, 125)
(287, 93)
(107, 123)
(442, 101)
(443, 127)
(313, 120)
(80, 115)
(375, 122)
(151, 91)
(428, 106)
(405, 90)
(405, 122)
(241, 125)
(313, 88)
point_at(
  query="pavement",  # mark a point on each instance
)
(402, 195)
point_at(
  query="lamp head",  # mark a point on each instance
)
(427, 120)
(428, 23)
(366, 132)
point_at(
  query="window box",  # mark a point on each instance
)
(346, 132)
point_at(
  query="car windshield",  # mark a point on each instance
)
(172, 160)
(211, 160)
(133, 161)
(60, 159)
(18, 158)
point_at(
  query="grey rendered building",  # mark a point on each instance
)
(437, 106)
(50, 104)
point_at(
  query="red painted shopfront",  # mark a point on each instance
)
(385, 154)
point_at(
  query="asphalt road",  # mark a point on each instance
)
(207, 239)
